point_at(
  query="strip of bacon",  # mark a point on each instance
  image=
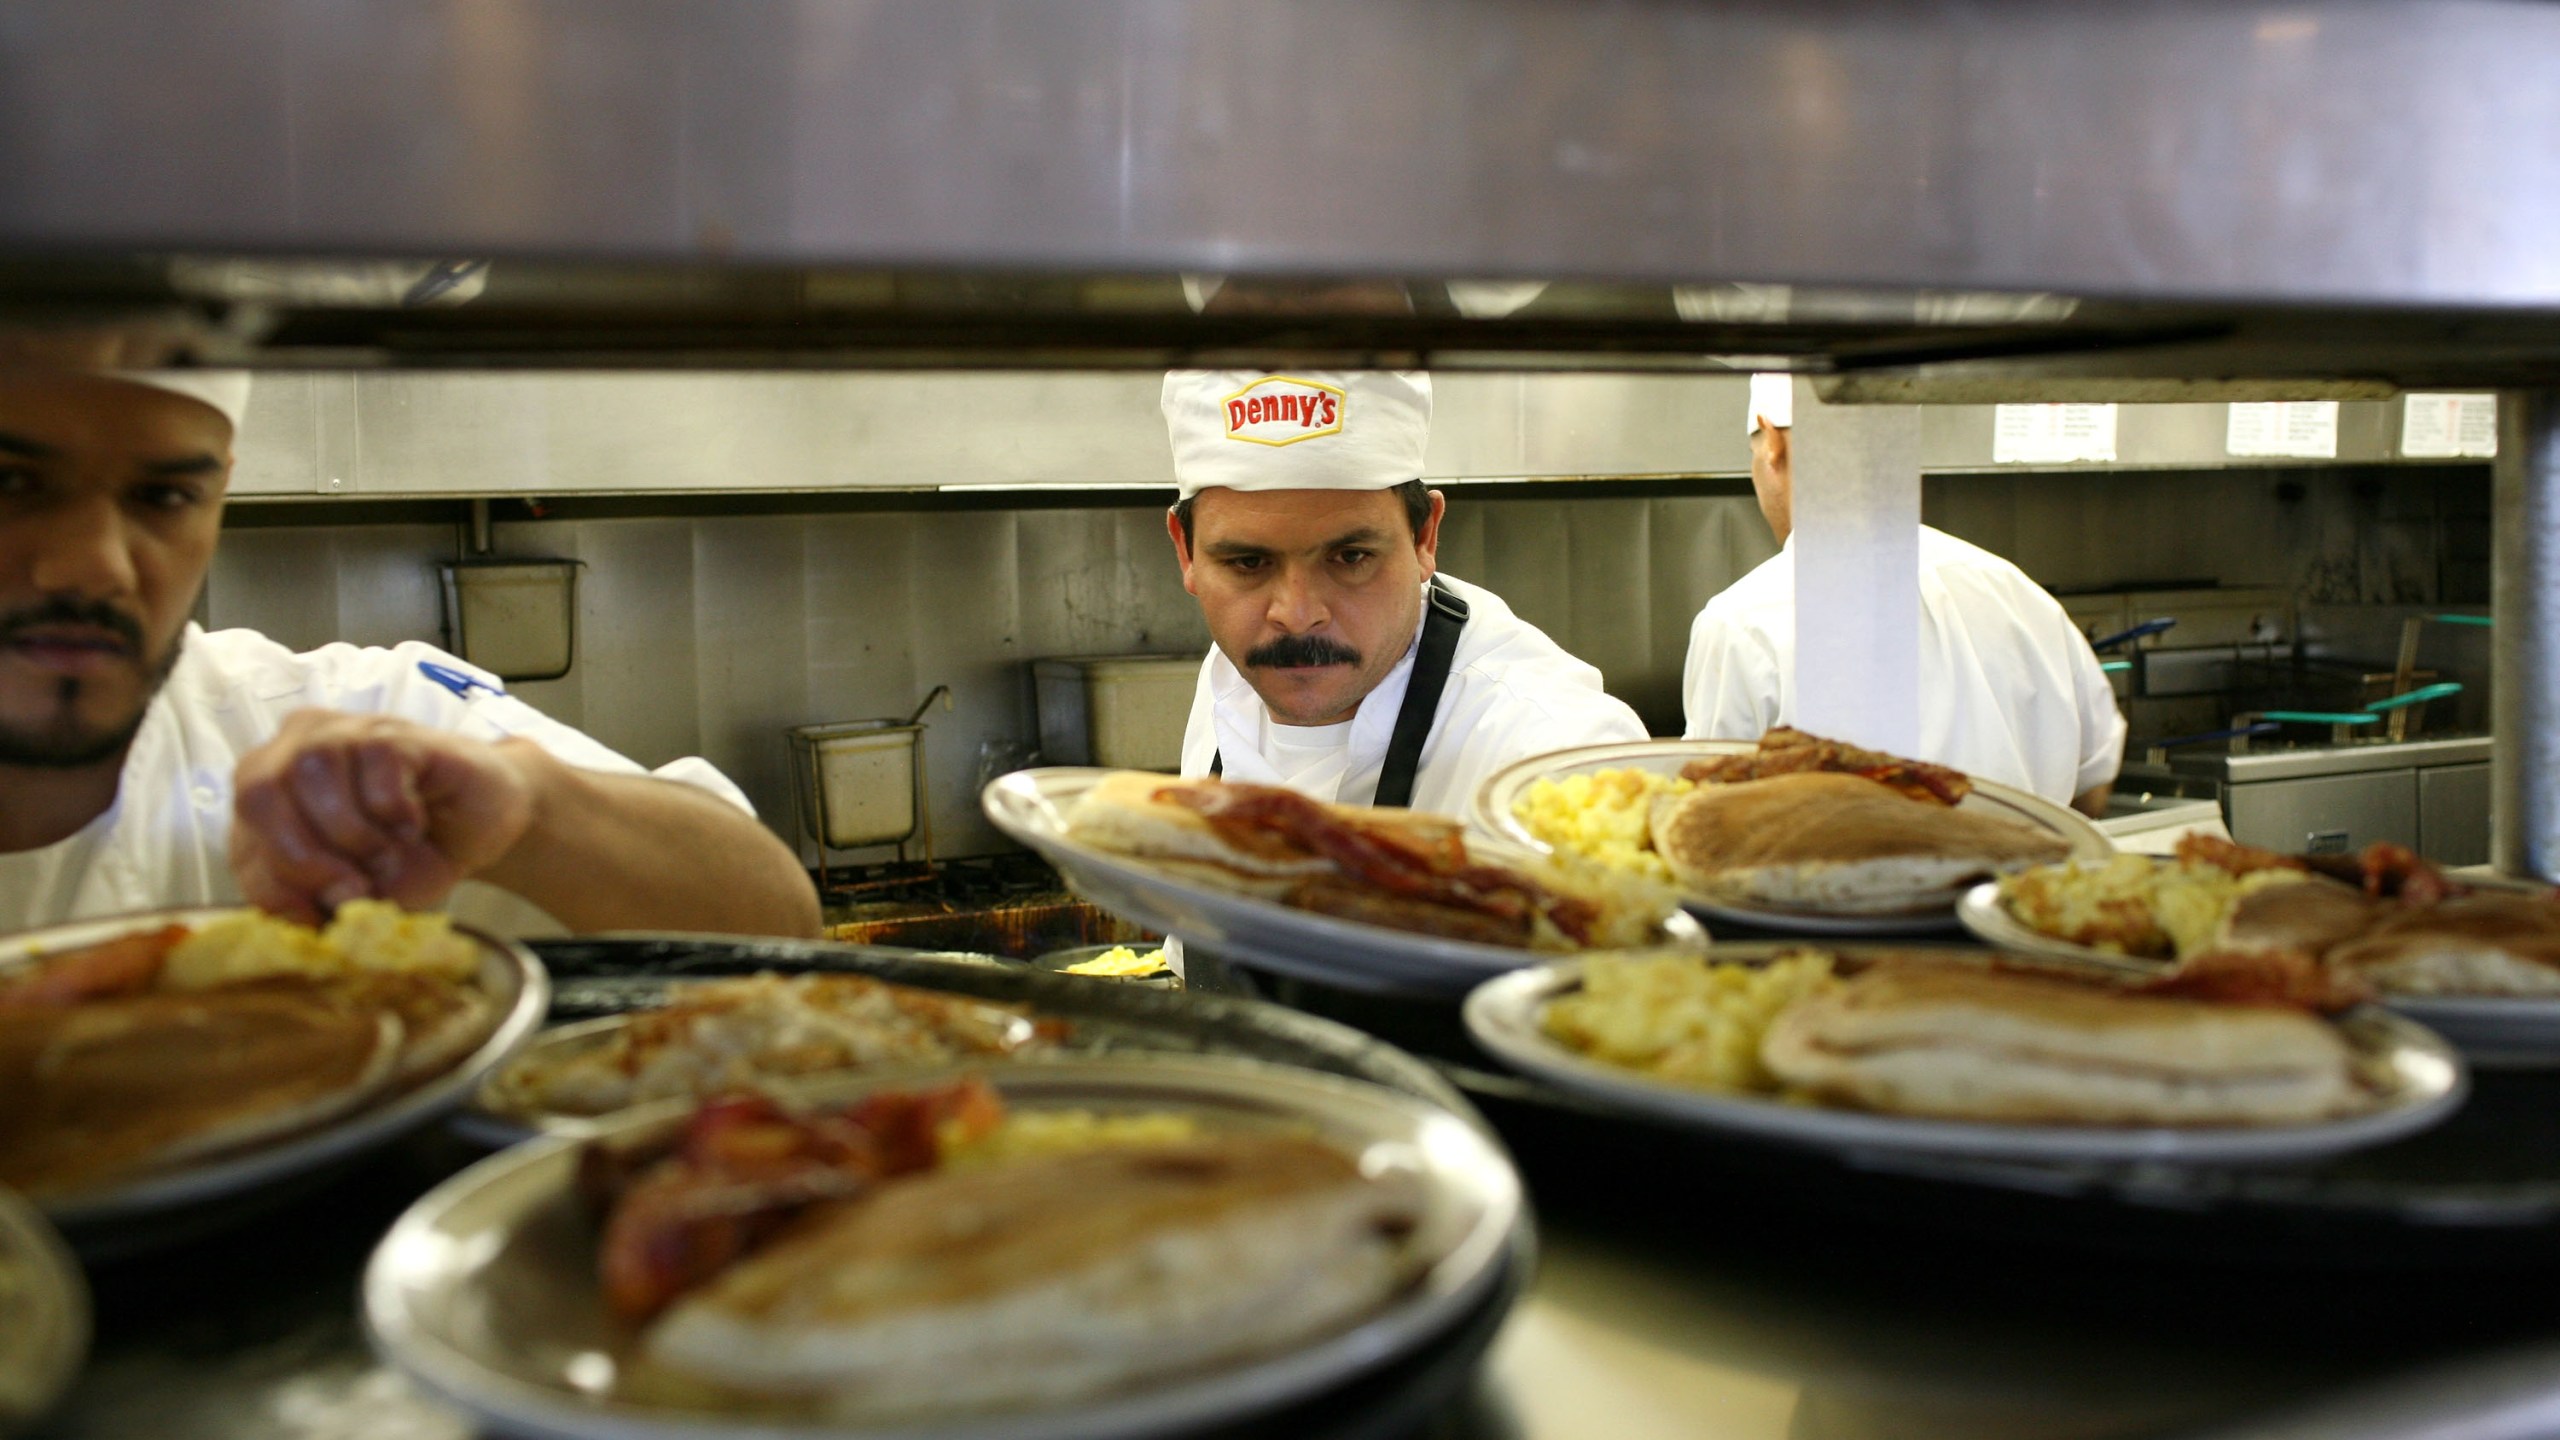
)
(1786, 750)
(1425, 864)
(126, 965)
(742, 1168)
(2382, 870)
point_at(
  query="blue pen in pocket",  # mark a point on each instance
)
(459, 682)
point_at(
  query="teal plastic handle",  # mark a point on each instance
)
(2419, 696)
(2115, 667)
(2320, 717)
(2483, 621)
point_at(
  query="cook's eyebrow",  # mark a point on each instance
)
(1365, 535)
(182, 466)
(1236, 550)
(26, 449)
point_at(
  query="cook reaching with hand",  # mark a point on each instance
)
(145, 762)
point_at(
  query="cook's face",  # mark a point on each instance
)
(110, 499)
(1313, 594)
(1773, 478)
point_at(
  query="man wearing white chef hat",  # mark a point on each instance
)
(2009, 688)
(145, 762)
(1346, 666)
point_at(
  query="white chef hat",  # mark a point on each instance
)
(1773, 395)
(1304, 430)
(224, 390)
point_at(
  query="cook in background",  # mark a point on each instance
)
(1346, 666)
(2009, 688)
(145, 762)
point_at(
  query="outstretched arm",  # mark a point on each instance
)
(339, 807)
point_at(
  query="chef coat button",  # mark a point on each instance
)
(206, 798)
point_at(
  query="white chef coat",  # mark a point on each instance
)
(165, 840)
(2009, 688)
(1512, 692)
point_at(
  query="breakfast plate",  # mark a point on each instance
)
(1032, 805)
(2416, 1078)
(1494, 812)
(44, 1315)
(486, 1293)
(2501, 1031)
(168, 1203)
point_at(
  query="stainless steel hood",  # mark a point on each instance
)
(2360, 191)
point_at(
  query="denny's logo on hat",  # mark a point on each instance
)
(1283, 410)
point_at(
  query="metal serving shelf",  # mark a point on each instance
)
(1964, 201)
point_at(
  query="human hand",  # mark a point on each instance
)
(341, 807)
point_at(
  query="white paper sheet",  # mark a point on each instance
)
(2306, 429)
(2052, 434)
(1857, 546)
(2443, 427)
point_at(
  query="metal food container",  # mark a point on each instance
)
(1125, 712)
(858, 782)
(517, 619)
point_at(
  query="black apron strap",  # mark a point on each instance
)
(1444, 615)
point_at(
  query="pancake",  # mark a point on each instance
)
(1838, 844)
(2310, 916)
(1961, 1043)
(2490, 943)
(1051, 1278)
(112, 1088)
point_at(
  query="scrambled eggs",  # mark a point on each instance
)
(1695, 1022)
(366, 935)
(2134, 904)
(1604, 816)
(1119, 961)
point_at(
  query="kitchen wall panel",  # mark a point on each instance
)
(712, 634)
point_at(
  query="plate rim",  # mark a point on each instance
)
(1478, 1257)
(1491, 818)
(62, 1298)
(1501, 1016)
(1425, 961)
(227, 1173)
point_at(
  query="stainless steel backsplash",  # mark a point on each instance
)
(712, 635)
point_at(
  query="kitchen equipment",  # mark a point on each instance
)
(515, 618)
(2431, 794)
(1121, 712)
(861, 783)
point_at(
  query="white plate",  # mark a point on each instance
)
(1990, 922)
(1492, 814)
(1031, 806)
(2497, 1031)
(44, 1315)
(2426, 1082)
(130, 1208)
(485, 1291)
(492, 1121)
